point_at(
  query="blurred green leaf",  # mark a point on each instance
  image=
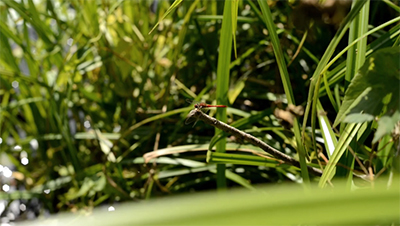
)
(234, 15)
(170, 9)
(386, 124)
(86, 91)
(270, 205)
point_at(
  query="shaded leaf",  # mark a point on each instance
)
(377, 79)
(386, 125)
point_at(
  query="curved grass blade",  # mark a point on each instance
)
(325, 58)
(170, 9)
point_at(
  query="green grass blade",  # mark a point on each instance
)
(355, 59)
(170, 9)
(328, 134)
(348, 134)
(392, 5)
(224, 60)
(327, 55)
(234, 15)
(240, 159)
(286, 83)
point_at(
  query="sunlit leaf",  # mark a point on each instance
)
(377, 78)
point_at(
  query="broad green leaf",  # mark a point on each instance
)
(236, 90)
(385, 148)
(386, 125)
(378, 78)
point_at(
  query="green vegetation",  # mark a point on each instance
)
(93, 95)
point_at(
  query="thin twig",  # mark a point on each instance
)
(253, 140)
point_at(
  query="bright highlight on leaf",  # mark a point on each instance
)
(235, 6)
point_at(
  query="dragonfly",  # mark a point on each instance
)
(200, 106)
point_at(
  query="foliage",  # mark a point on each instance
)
(373, 92)
(96, 102)
(268, 206)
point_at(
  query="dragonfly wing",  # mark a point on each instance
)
(190, 118)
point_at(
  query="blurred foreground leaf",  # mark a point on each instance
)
(273, 205)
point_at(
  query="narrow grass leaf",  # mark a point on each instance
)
(348, 134)
(170, 9)
(285, 81)
(223, 69)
